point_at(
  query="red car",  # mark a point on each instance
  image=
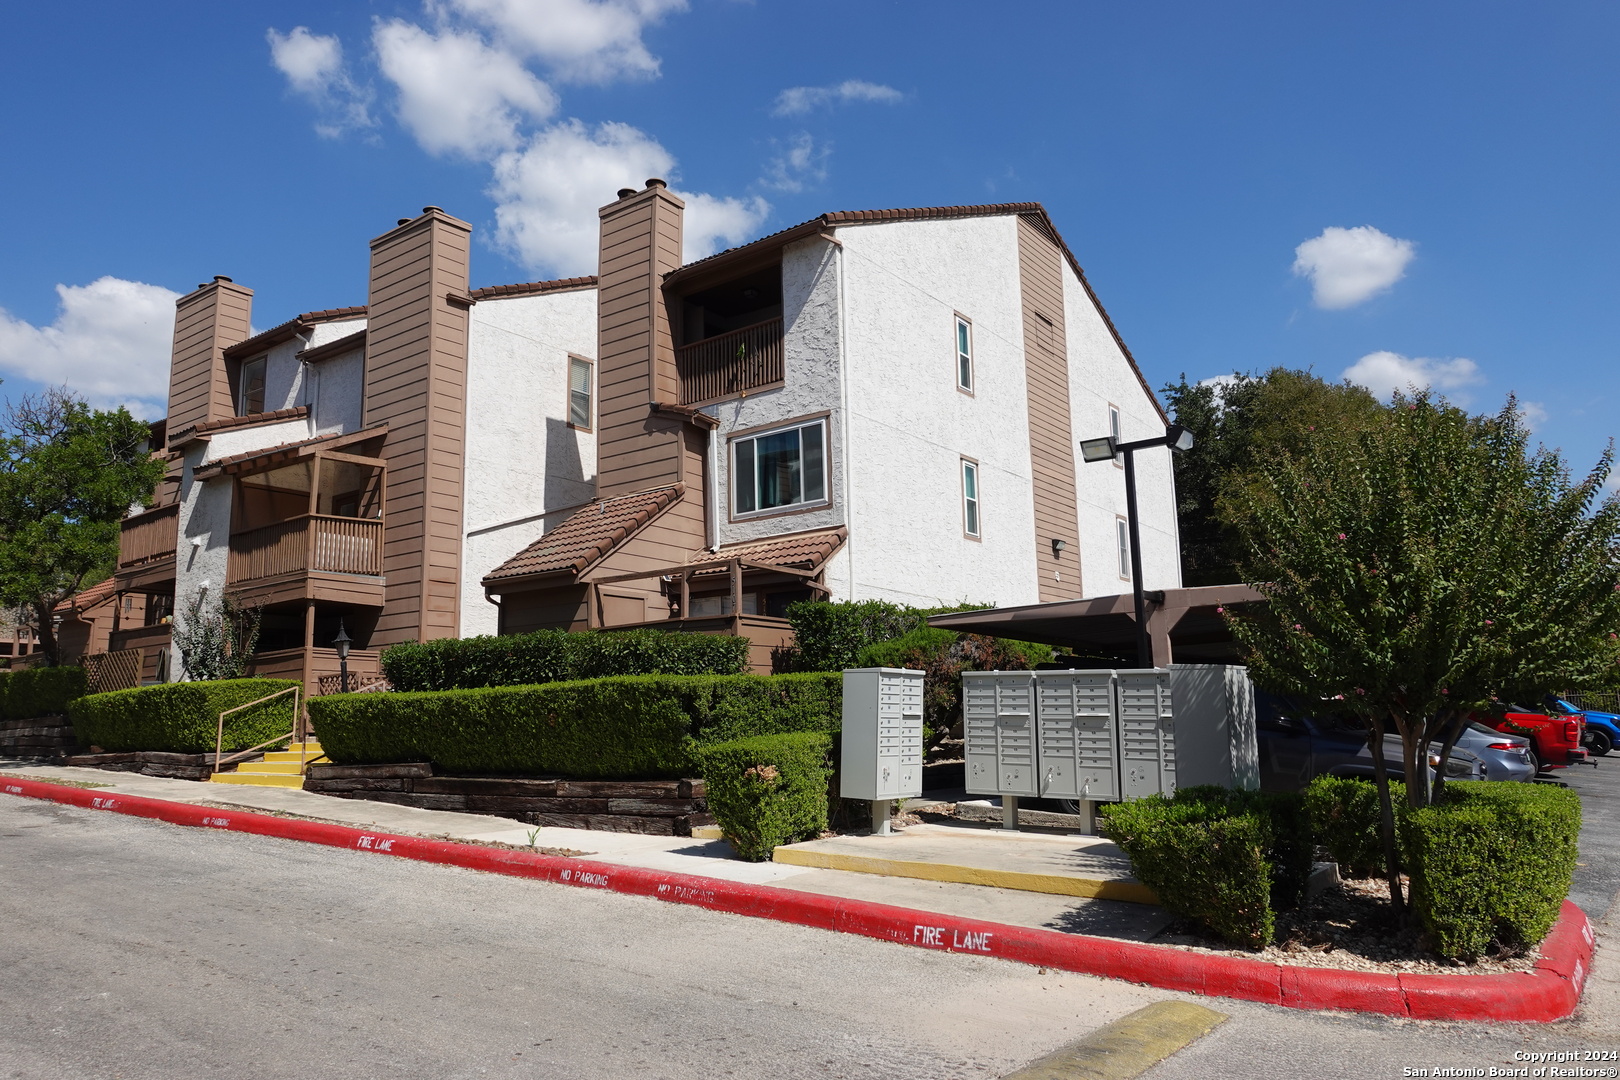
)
(1555, 740)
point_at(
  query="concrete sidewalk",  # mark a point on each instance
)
(1081, 914)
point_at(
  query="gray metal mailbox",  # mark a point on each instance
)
(882, 739)
(1079, 745)
(1147, 733)
(998, 727)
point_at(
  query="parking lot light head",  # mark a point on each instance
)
(1098, 449)
(1179, 438)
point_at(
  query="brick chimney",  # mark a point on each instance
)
(206, 321)
(416, 383)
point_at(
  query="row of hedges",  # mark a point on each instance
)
(41, 691)
(558, 656)
(182, 718)
(630, 727)
(1490, 863)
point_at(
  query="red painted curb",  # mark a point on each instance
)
(1549, 993)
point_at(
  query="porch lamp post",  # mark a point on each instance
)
(1107, 448)
(341, 643)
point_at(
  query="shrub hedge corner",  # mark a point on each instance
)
(1343, 812)
(182, 718)
(546, 656)
(41, 691)
(768, 790)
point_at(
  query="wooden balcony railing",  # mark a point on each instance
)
(341, 545)
(725, 365)
(149, 536)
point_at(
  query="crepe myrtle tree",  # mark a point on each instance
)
(68, 475)
(1421, 567)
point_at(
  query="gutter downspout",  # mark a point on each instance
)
(843, 418)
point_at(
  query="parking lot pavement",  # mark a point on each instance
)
(1597, 870)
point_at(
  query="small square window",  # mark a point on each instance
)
(964, 354)
(1122, 534)
(579, 393)
(970, 498)
(250, 388)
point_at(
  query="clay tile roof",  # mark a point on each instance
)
(338, 314)
(297, 412)
(287, 330)
(85, 599)
(588, 535)
(532, 288)
(801, 551)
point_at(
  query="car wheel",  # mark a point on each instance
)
(1598, 741)
(1535, 762)
(1070, 806)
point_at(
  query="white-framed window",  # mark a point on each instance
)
(1122, 537)
(579, 393)
(779, 470)
(1116, 429)
(970, 498)
(964, 354)
(250, 388)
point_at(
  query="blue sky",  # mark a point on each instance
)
(1450, 169)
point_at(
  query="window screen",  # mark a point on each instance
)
(779, 469)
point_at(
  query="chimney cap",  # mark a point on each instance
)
(222, 277)
(403, 221)
(626, 192)
(432, 209)
(655, 182)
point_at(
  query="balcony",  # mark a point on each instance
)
(309, 557)
(146, 544)
(729, 364)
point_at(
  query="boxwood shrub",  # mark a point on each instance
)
(40, 691)
(626, 727)
(557, 656)
(1227, 859)
(1344, 815)
(768, 790)
(1491, 862)
(182, 718)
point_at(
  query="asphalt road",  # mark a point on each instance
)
(134, 949)
(1597, 871)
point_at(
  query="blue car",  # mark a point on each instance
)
(1601, 730)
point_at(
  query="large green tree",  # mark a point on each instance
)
(1420, 567)
(68, 475)
(1240, 422)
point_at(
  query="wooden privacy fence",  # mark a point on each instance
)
(119, 670)
(358, 684)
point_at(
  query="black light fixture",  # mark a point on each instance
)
(1177, 438)
(341, 643)
(1057, 547)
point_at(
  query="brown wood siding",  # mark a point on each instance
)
(1051, 443)
(416, 383)
(205, 322)
(558, 608)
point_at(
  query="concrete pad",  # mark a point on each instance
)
(1084, 866)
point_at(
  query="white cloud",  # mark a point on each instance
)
(1348, 266)
(547, 195)
(798, 100)
(110, 342)
(457, 94)
(1385, 372)
(801, 161)
(593, 41)
(313, 65)
(1533, 414)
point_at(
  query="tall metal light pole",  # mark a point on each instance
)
(1107, 448)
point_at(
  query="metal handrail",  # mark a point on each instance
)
(219, 738)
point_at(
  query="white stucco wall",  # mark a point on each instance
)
(810, 329)
(525, 466)
(909, 426)
(335, 392)
(1100, 376)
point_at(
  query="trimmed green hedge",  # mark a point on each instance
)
(628, 727)
(1343, 811)
(40, 691)
(1491, 862)
(829, 635)
(768, 790)
(558, 656)
(182, 718)
(1227, 859)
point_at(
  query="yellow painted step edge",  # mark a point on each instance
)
(259, 780)
(1058, 884)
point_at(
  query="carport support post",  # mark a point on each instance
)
(1009, 812)
(880, 817)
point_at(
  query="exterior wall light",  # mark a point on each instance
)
(1057, 548)
(1098, 449)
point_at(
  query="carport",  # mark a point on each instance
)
(1184, 625)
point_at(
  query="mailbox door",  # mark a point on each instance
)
(979, 733)
(900, 735)
(1147, 734)
(1015, 736)
(1076, 716)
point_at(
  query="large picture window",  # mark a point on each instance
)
(778, 470)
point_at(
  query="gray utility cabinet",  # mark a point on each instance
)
(1147, 732)
(1079, 743)
(999, 730)
(883, 734)
(1215, 731)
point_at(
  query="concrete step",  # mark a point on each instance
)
(259, 779)
(1085, 866)
(293, 756)
(270, 768)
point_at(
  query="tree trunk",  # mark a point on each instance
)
(1451, 729)
(1386, 816)
(1414, 761)
(43, 611)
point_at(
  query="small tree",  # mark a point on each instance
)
(1422, 566)
(68, 475)
(216, 639)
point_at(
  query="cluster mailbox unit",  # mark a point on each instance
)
(882, 739)
(1108, 735)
